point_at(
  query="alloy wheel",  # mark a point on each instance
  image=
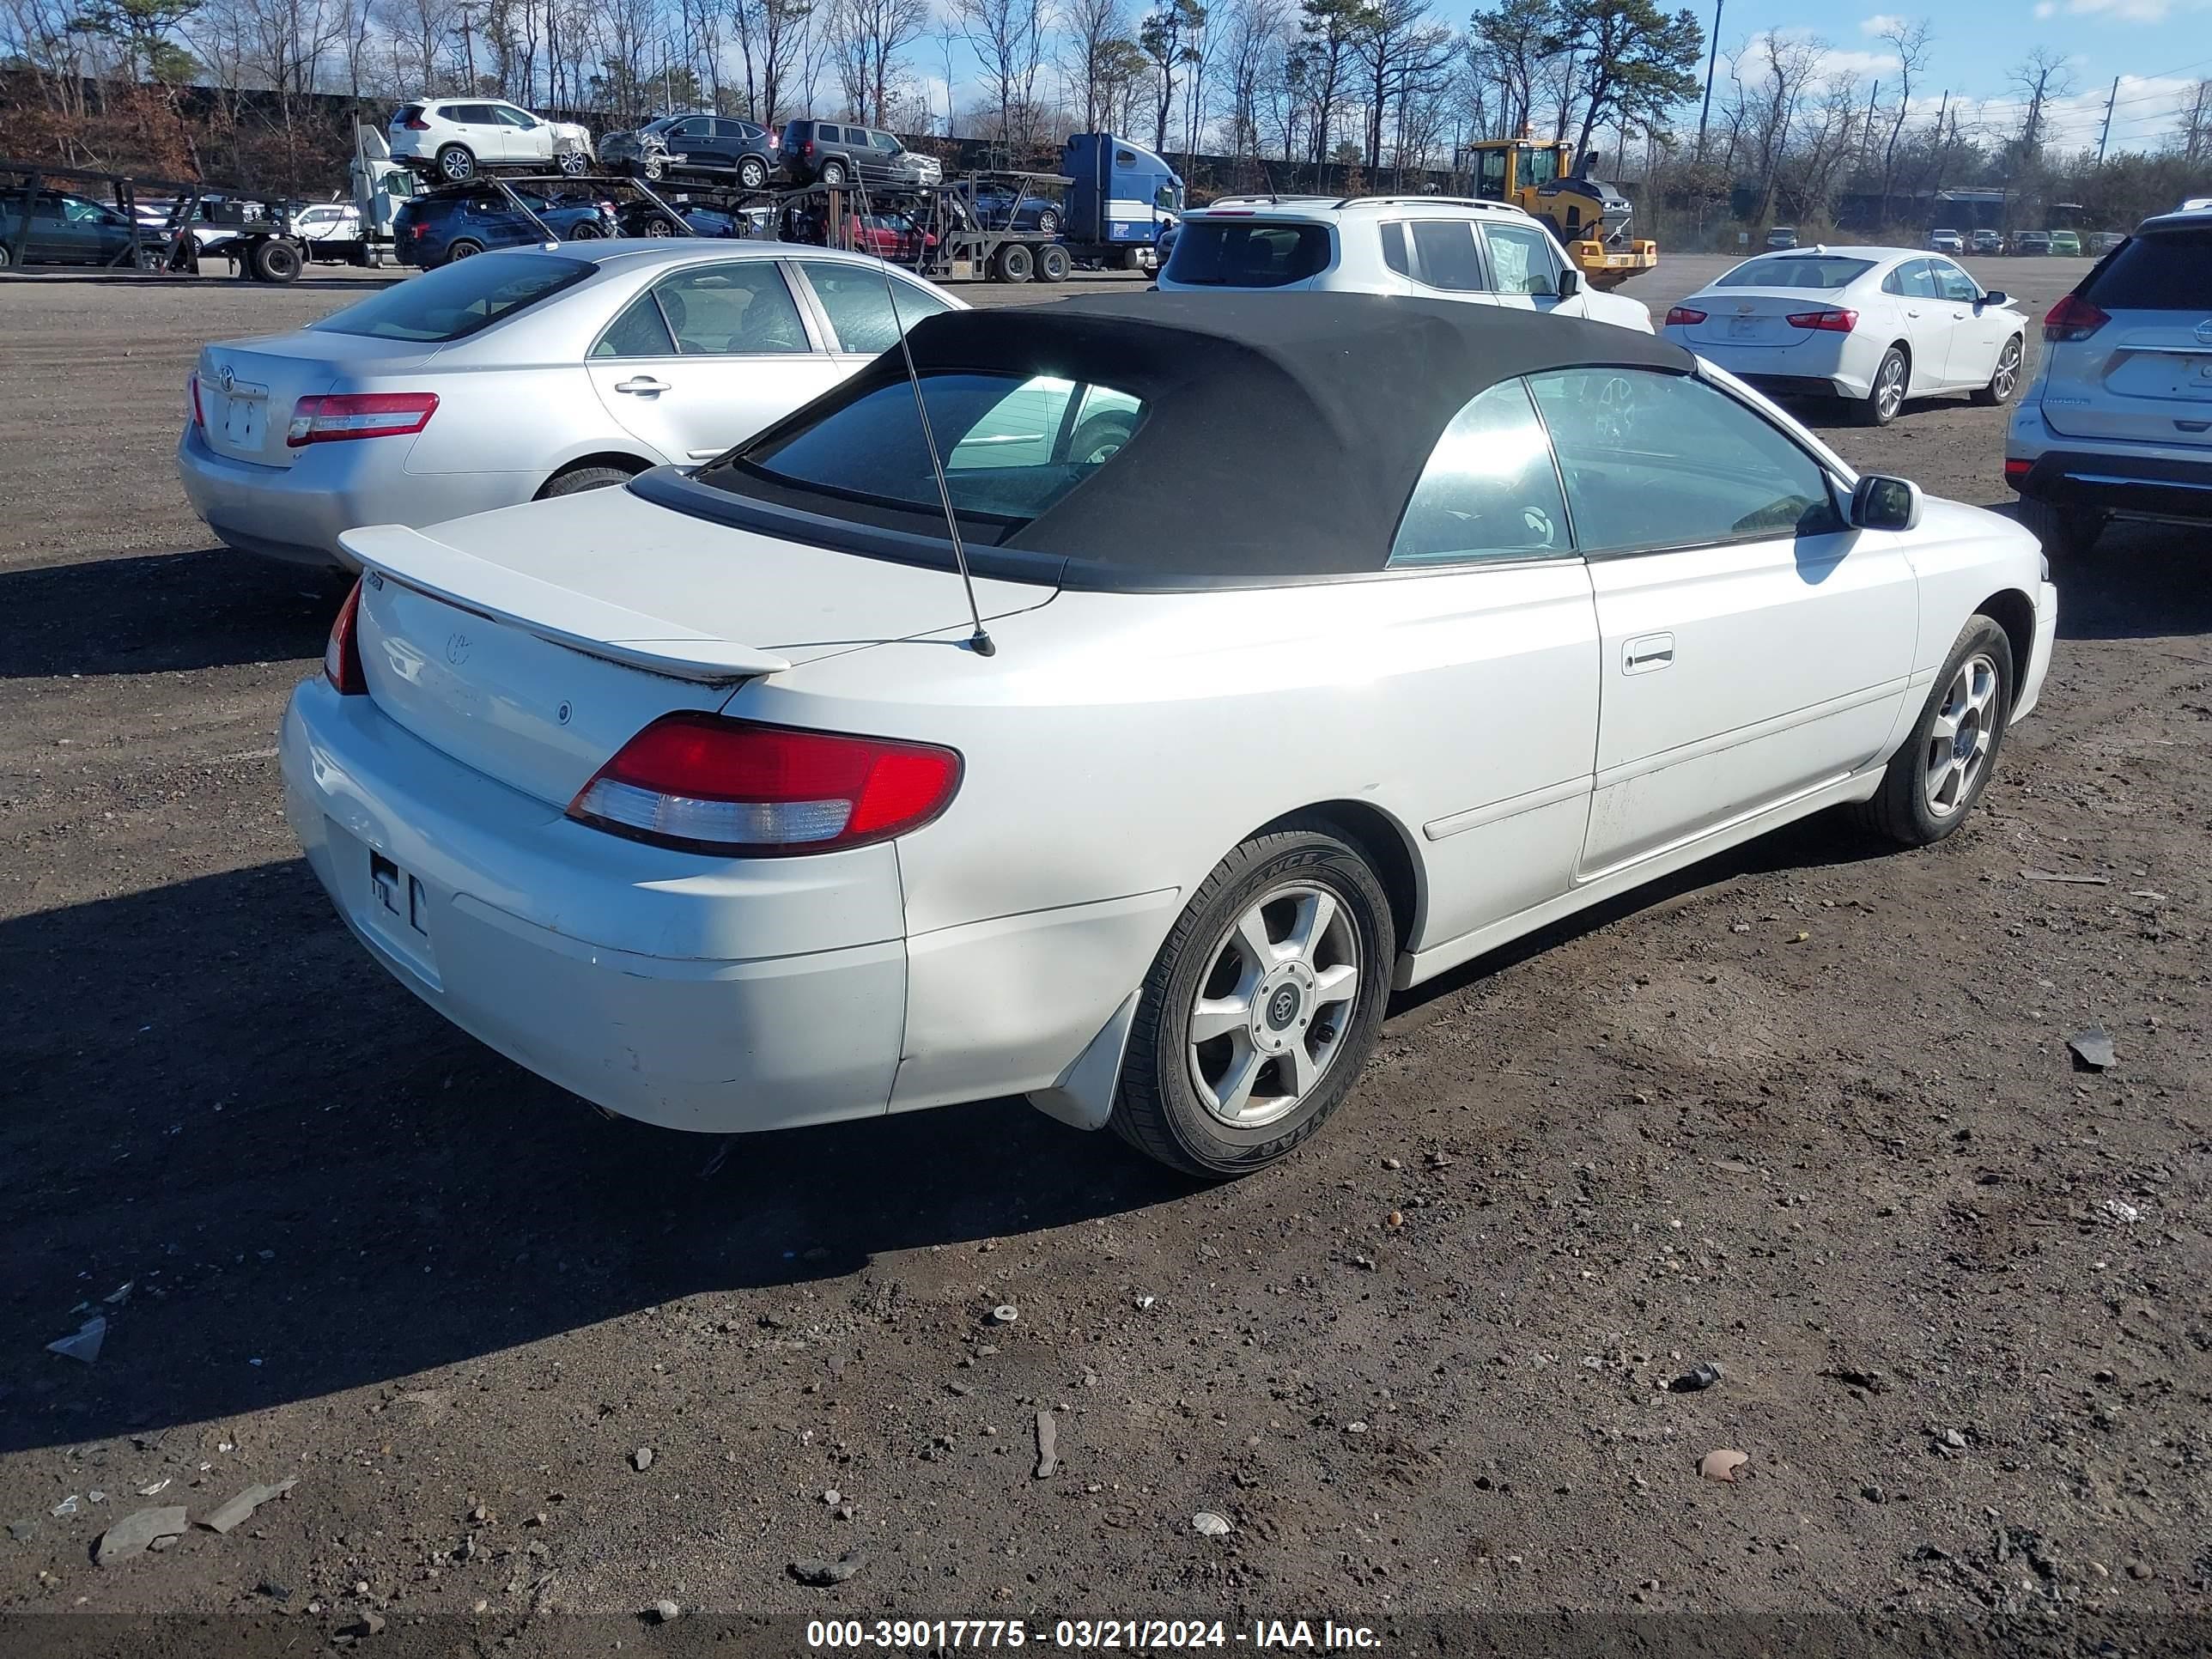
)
(1889, 394)
(1959, 738)
(573, 163)
(1273, 1006)
(2008, 373)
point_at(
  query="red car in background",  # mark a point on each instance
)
(890, 236)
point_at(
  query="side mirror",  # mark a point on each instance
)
(1884, 503)
(1570, 282)
(1996, 296)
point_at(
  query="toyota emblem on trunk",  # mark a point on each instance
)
(2204, 330)
(229, 377)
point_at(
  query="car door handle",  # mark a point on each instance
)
(643, 385)
(1645, 655)
(1910, 312)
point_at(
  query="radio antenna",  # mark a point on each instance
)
(980, 641)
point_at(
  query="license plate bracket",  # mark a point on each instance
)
(400, 898)
(1741, 328)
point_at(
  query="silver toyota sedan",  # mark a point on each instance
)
(523, 374)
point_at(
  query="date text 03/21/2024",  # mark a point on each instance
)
(1324, 1636)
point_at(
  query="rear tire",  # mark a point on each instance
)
(2066, 532)
(1278, 878)
(1939, 771)
(833, 173)
(1053, 264)
(1015, 262)
(7, 257)
(752, 172)
(457, 164)
(578, 479)
(2005, 380)
(657, 226)
(463, 249)
(1048, 222)
(1887, 395)
(276, 261)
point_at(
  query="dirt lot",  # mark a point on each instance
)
(1807, 1112)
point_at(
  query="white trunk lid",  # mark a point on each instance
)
(248, 387)
(1753, 316)
(532, 643)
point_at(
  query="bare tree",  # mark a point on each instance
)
(2043, 75)
(1007, 36)
(1090, 30)
(867, 39)
(1912, 42)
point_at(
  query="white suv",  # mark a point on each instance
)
(454, 139)
(1437, 248)
(2118, 421)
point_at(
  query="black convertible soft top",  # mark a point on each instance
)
(1283, 435)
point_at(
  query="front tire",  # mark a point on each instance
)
(457, 164)
(1939, 771)
(1261, 1006)
(1887, 395)
(2066, 532)
(752, 172)
(2004, 381)
(574, 163)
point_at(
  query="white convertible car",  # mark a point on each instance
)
(1332, 641)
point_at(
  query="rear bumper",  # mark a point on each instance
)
(297, 513)
(2168, 487)
(658, 984)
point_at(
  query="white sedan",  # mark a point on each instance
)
(1871, 326)
(1324, 645)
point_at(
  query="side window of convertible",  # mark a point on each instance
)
(1654, 460)
(1489, 490)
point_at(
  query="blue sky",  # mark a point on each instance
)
(2157, 47)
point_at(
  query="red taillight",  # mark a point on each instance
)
(416, 123)
(2073, 318)
(2016, 471)
(1828, 321)
(1683, 316)
(333, 419)
(342, 655)
(711, 785)
(193, 386)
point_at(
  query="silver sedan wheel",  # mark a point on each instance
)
(2007, 374)
(574, 162)
(1274, 1006)
(1959, 738)
(1889, 390)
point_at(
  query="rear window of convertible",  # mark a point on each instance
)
(1011, 446)
(455, 301)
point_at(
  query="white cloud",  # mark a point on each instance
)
(2046, 9)
(2130, 11)
(1882, 23)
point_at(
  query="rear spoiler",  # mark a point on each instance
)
(552, 612)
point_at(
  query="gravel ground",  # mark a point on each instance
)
(1805, 1112)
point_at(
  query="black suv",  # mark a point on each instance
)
(694, 146)
(833, 153)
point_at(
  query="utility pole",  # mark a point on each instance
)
(469, 43)
(2105, 131)
(1712, 57)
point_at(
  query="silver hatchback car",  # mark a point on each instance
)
(523, 374)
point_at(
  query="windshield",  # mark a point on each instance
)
(1013, 445)
(1797, 270)
(1233, 253)
(457, 300)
